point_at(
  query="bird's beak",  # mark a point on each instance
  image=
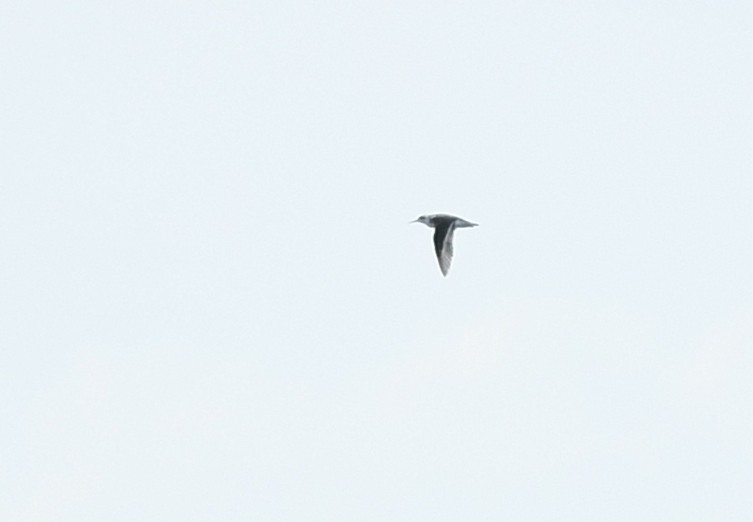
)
(414, 221)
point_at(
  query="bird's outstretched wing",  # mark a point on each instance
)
(443, 245)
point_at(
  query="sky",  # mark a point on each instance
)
(214, 307)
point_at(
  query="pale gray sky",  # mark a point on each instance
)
(214, 309)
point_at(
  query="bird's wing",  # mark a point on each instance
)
(443, 245)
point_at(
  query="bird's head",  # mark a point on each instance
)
(426, 220)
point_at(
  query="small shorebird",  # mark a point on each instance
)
(444, 225)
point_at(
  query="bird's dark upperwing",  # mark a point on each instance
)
(443, 244)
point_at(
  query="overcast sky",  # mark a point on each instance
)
(214, 308)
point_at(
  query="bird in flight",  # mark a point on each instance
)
(444, 225)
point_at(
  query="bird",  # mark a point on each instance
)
(444, 225)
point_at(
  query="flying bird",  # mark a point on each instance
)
(444, 225)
